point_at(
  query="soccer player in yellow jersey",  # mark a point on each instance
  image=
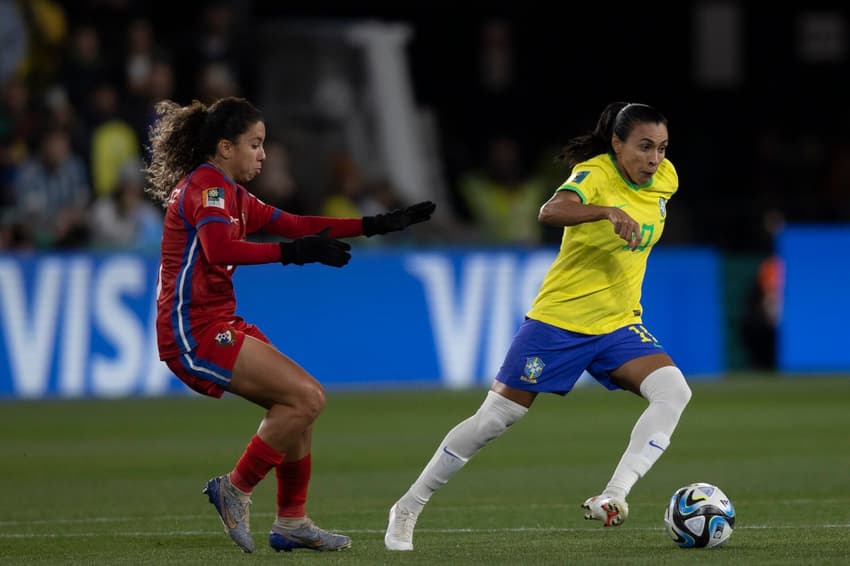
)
(587, 314)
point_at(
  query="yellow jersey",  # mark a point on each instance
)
(594, 284)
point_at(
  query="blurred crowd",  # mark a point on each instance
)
(78, 85)
(73, 120)
(79, 80)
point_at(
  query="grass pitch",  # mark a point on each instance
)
(119, 482)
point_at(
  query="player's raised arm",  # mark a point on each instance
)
(282, 223)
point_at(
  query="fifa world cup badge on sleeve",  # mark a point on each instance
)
(214, 196)
(577, 177)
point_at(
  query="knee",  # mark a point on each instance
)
(667, 385)
(311, 401)
(496, 414)
(304, 405)
(678, 391)
(682, 394)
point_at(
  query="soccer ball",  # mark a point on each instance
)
(699, 515)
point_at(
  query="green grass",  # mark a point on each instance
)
(118, 482)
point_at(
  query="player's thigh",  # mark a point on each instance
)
(626, 356)
(631, 374)
(543, 359)
(266, 376)
(522, 397)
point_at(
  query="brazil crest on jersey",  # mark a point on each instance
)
(594, 284)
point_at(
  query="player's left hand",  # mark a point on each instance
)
(398, 219)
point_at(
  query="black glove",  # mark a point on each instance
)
(315, 248)
(398, 219)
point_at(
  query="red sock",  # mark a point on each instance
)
(292, 480)
(254, 464)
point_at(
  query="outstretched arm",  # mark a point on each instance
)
(220, 248)
(290, 225)
(398, 219)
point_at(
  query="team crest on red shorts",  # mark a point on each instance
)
(224, 337)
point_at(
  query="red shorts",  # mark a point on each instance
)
(207, 368)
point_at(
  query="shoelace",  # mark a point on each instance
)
(403, 523)
(306, 524)
(245, 502)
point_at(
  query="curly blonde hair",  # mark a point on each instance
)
(183, 137)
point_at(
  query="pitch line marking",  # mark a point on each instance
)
(216, 532)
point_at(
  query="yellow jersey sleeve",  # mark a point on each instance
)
(584, 180)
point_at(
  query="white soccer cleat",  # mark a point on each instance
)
(612, 512)
(400, 529)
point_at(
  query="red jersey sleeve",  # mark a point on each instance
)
(202, 204)
(272, 220)
(215, 207)
(289, 225)
(258, 213)
(222, 249)
(209, 196)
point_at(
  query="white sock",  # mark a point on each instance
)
(290, 522)
(668, 394)
(493, 418)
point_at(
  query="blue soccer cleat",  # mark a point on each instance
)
(307, 535)
(232, 506)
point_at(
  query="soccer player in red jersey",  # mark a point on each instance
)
(200, 155)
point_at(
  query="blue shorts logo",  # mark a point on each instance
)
(533, 368)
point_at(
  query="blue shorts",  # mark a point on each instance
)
(548, 359)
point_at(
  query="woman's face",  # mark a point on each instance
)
(640, 154)
(244, 160)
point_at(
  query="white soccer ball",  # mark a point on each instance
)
(699, 515)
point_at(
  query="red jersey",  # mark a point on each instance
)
(207, 220)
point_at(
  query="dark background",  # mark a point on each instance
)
(773, 143)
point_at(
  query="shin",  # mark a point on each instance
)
(668, 394)
(492, 419)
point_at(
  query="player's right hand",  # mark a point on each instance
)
(625, 227)
(318, 248)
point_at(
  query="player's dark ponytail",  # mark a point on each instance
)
(617, 118)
